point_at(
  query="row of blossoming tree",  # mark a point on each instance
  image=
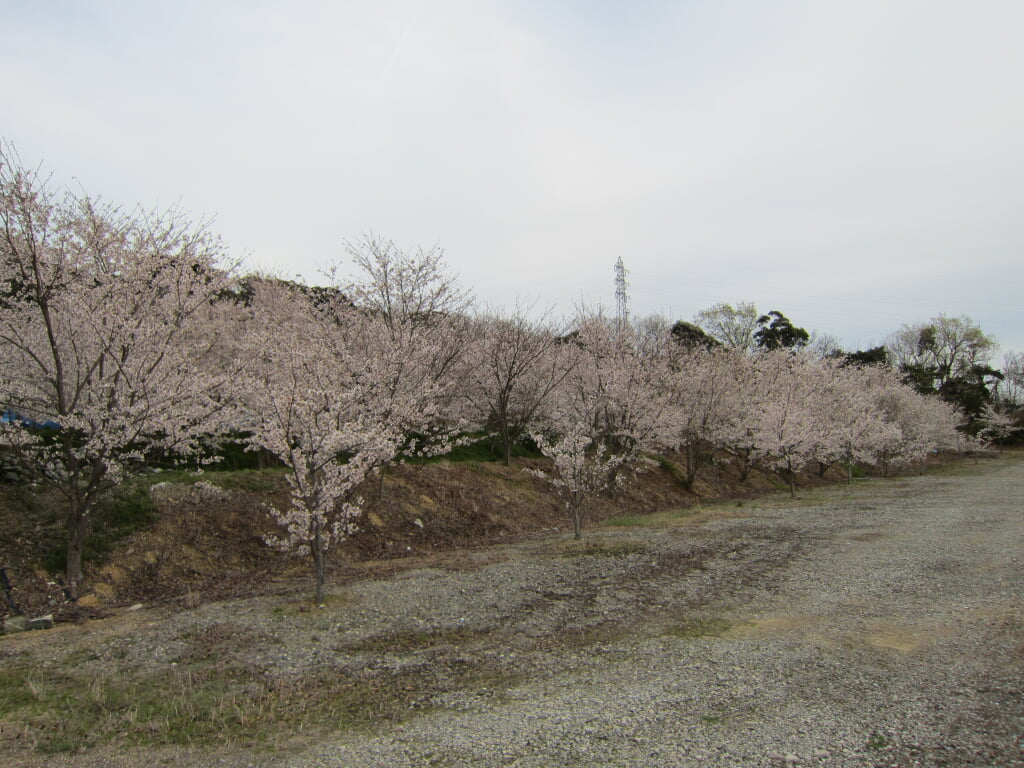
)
(129, 335)
(782, 411)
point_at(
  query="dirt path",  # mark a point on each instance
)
(878, 625)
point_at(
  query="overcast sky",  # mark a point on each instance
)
(856, 165)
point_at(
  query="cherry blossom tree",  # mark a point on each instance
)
(520, 364)
(924, 423)
(705, 395)
(307, 396)
(610, 408)
(996, 424)
(742, 443)
(852, 425)
(414, 335)
(102, 333)
(786, 427)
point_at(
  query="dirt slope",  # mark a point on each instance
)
(208, 541)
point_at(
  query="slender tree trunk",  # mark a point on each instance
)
(745, 465)
(319, 568)
(78, 528)
(506, 439)
(693, 460)
(577, 518)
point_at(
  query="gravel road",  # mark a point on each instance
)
(880, 624)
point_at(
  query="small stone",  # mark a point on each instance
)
(15, 624)
(136, 607)
(42, 622)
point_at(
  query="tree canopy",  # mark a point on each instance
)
(777, 332)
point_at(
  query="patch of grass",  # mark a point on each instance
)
(858, 472)
(206, 702)
(252, 480)
(412, 640)
(698, 628)
(600, 547)
(961, 467)
(306, 605)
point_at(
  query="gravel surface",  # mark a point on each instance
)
(875, 625)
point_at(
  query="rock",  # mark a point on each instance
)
(41, 622)
(15, 624)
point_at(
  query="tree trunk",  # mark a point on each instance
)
(506, 438)
(78, 528)
(506, 432)
(745, 464)
(577, 518)
(319, 568)
(692, 459)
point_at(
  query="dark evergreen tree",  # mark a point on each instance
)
(777, 332)
(875, 356)
(692, 336)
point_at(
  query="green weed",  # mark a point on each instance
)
(877, 741)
